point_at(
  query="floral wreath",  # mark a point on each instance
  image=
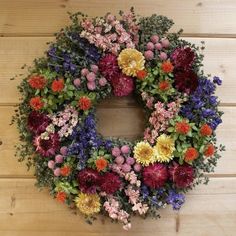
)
(90, 60)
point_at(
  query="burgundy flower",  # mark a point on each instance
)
(122, 85)
(88, 180)
(182, 175)
(38, 122)
(108, 66)
(110, 183)
(155, 176)
(47, 147)
(183, 57)
(186, 81)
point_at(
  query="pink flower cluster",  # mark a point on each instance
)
(109, 34)
(66, 120)
(156, 47)
(92, 78)
(159, 119)
(112, 206)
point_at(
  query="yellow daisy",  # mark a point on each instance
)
(164, 148)
(88, 204)
(131, 61)
(144, 153)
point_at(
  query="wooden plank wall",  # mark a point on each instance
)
(25, 27)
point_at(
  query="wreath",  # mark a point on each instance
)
(90, 60)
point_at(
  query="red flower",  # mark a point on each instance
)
(182, 175)
(36, 103)
(89, 180)
(191, 154)
(167, 67)
(84, 103)
(206, 130)
(37, 122)
(183, 57)
(57, 85)
(110, 183)
(185, 80)
(47, 147)
(164, 85)
(122, 85)
(209, 150)
(65, 171)
(101, 164)
(37, 82)
(155, 176)
(142, 74)
(182, 127)
(61, 197)
(108, 66)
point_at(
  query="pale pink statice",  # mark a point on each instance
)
(65, 120)
(109, 34)
(132, 178)
(134, 199)
(112, 206)
(148, 99)
(159, 119)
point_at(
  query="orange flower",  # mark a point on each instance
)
(84, 103)
(36, 103)
(209, 150)
(182, 127)
(61, 197)
(164, 85)
(142, 74)
(190, 154)
(206, 130)
(167, 67)
(101, 164)
(65, 171)
(37, 82)
(58, 85)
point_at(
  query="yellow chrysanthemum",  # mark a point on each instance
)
(131, 61)
(88, 204)
(144, 153)
(164, 148)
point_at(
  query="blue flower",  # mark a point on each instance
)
(175, 199)
(217, 80)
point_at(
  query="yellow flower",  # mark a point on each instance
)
(88, 204)
(131, 61)
(164, 148)
(144, 153)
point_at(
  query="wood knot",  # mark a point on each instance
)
(0, 142)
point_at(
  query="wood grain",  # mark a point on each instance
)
(131, 128)
(25, 211)
(26, 17)
(16, 51)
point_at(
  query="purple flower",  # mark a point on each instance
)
(175, 199)
(217, 80)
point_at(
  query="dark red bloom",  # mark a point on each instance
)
(108, 66)
(38, 122)
(110, 183)
(37, 82)
(186, 81)
(122, 85)
(182, 175)
(36, 103)
(183, 57)
(89, 180)
(155, 176)
(47, 147)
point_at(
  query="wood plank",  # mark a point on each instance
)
(209, 210)
(14, 52)
(132, 127)
(26, 17)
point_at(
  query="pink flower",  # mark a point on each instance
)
(84, 72)
(155, 38)
(165, 43)
(63, 150)
(125, 149)
(57, 172)
(91, 85)
(59, 158)
(150, 46)
(110, 18)
(102, 81)
(119, 160)
(149, 55)
(163, 56)
(137, 167)
(51, 164)
(158, 46)
(130, 160)
(94, 68)
(126, 167)
(77, 82)
(115, 151)
(91, 77)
